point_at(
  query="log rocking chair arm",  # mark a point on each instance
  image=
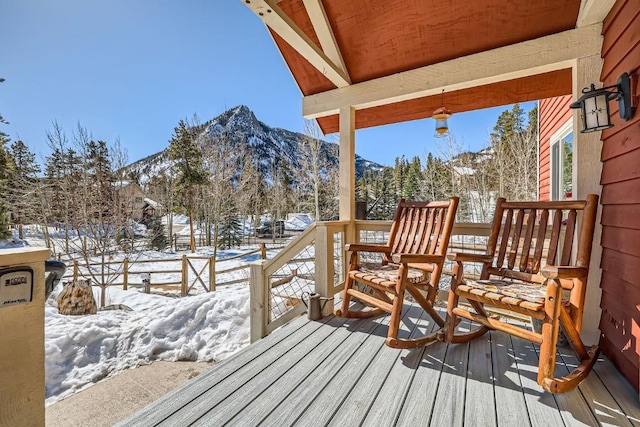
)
(416, 258)
(468, 257)
(564, 272)
(357, 247)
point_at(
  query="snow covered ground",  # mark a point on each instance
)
(82, 350)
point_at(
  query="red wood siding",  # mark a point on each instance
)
(554, 112)
(620, 200)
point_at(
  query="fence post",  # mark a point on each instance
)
(125, 274)
(185, 273)
(263, 251)
(258, 286)
(212, 274)
(75, 270)
(146, 283)
(324, 268)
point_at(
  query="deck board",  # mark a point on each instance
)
(511, 407)
(338, 372)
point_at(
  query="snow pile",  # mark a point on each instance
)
(81, 350)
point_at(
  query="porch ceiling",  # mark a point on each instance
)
(400, 54)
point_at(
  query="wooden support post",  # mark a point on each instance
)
(258, 288)
(125, 274)
(185, 275)
(75, 270)
(324, 267)
(347, 185)
(587, 169)
(347, 158)
(212, 274)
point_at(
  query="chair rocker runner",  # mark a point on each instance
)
(528, 270)
(412, 260)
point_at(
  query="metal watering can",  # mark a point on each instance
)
(315, 304)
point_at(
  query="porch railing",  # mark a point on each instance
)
(316, 262)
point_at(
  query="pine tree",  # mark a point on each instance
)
(413, 181)
(22, 185)
(191, 174)
(230, 226)
(514, 143)
(158, 236)
(6, 166)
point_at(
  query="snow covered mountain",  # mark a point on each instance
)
(265, 144)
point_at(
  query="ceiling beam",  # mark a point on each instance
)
(322, 27)
(549, 53)
(593, 11)
(284, 26)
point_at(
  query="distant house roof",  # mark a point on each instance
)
(462, 170)
(152, 203)
(122, 184)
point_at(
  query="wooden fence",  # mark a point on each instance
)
(189, 269)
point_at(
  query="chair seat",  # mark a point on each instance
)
(385, 275)
(531, 292)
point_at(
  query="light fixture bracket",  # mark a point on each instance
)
(594, 103)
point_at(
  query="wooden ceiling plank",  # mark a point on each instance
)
(322, 27)
(549, 53)
(281, 24)
(593, 11)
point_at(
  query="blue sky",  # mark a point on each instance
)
(132, 69)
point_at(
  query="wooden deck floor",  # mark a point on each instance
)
(339, 372)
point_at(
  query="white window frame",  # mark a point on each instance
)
(557, 137)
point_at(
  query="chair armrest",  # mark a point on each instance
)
(416, 258)
(564, 272)
(356, 247)
(467, 257)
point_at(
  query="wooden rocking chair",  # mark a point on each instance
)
(411, 260)
(531, 273)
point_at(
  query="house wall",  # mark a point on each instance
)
(132, 199)
(554, 112)
(620, 200)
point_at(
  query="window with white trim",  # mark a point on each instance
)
(562, 163)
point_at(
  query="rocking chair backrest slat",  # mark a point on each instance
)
(403, 228)
(416, 214)
(515, 239)
(422, 227)
(555, 237)
(528, 236)
(540, 238)
(568, 238)
(437, 232)
(431, 215)
(535, 234)
(504, 240)
(417, 244)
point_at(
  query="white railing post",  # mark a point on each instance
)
(259, 291)
(324, 268)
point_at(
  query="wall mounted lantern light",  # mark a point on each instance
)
(441, 115)
(594, 104)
